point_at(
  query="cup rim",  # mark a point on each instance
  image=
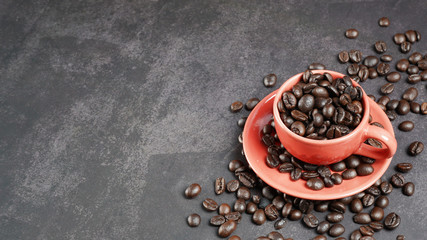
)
(354, 132)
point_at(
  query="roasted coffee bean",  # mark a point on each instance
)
(355, 235)
(408, 189)
(227, 228)
(243, 193)
(316, 66)
(289, 100)
(377, 214)
(272, 161)
(362, 218)
(384, 22)
(392, 221)
(334, 217)
(363, 74)
(279, 224)
(415, 148)
(234, 237)
(414, 78)
(366, 231)
(380, 47)
(355, 56)
(405, 47)
(418, 35)
(268, 192)
(337, 206)
(192, 191)
(321, 206)
(399, 38)
(324, 171)
(415, 57)
(356, 205)
(240, 205)
(336, 230)
(310, 220)
(364, 169)
(368, 200)
(410, 94)
(403, 108)
(338, 167)
(315, 184)
(349, 174)
(413, 69)
(400, 237)
(286, 209)
(270, 80)
(217, 220)
(268, 140)
(210, 205)
(383, 100)
(286, 167)
(306, 206)
(402, 65)
(233, 185)
(235, 164)
(336, 178)
(297, 91)
(404, 167)
(319, 92)
(376, 226)
(296, 174)
(373, 190)
(393, 77)
(352, 161)
(251, 207)
(236, 106)
(305, 104)
(423, 108)
(219, 185)
(194, 220)
(307, 88)
(259, 217)
(323, 227)
(387, 88)
(247, 179)
(343, 57)
(295, 215)
(241, 122)
(423, 75)
(372, 74)
(406, 126)
(351, 33)
(422, 64)
(411, 36)
(271, 212)
(398, 180)
(386, 58)
(256, 198)
(353, 69)
(224, 209)
(383, 69)
(386, 188)
(251, 103)
(275, 236)
(374, 143)
(298, 127)
(382, 202)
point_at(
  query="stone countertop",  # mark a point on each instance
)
(110, 109)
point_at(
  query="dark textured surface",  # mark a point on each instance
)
(109, 110)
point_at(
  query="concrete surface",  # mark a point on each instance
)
(109, 109)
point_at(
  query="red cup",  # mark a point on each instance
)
(324, 152)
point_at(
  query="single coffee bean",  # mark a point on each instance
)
(383, 69)
(334, 217)
(383, 100)
(411, 36)
(384, 22)
(349, 174)
(236, 106)
(368, 200)
(243, 193)
(315, 184)
(275, 236)
(408, 189)
(415, 107)
(423, 108)
(234, 237)
(355, 56)
(256, 198)
(363, 74)
(372, 74)
(414, 78)
(377, 214)
(410, 94)
(235, 164)
(400, 237)
(398, 180)
(270, 80)
(286, 210)
(373, 190)
(415, 57)
(403, 108)
(418, 35)
(272, 161)
(251, 207)
(240, 205)
(210, 205)
(194, 220)
(352, 161)
(241, 122)
(415, 148)
(393, 77)
(193, 190)
(356, 205)
(306, 206)
(386, 188)
(310, 220)
(364, 169)
(298, 127)
(366, 231)
(316, 66)
(251, 103)
(355, 235)
(406, 126)
(399, 38)
(217, 220)
(351, 33)
(353, 69)
(233, 185)
(404, 167)
(376, 226)
(323, 227)
(337, 206)
(295, 215)
(278, 202)
(247, 179)
(405, 47)
(235, 216)
(423, 75)
(338, 167)
(279, 224)
(259, 217)
(305, 104)
(371, 61)
(380, 47)
(271, 212)
(413, 69)
(321, 206)
(336, 230)
(224, 209)
(219, 185)
(382, 202)
(386, 58)
(336, 178)
(392, 221)
(362, 218)
(268, 192)
(227, 228)
(402, 65)
(343, 57)
(422, 64)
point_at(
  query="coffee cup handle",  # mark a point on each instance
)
(384, 137)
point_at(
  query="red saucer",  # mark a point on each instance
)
(256, 152)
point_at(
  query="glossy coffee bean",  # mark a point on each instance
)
(408, 189)
(362, 218)
(393, 77)
(392, 221)
(423, 108)
(383, 69)
(422, 64)
(356, 205)
(270, 80)
(366, 231)
(387, 88)
(193, 220)
(316, 66)
(193, 190)
(251, 208)
(286, 210)
(236, 106)
(275, 236)
(337, 206)
(386, 188)
(383, 100)
(271, 212)
(334, 217)
(377, 214)
(415, 57)
(402, 65)
(355, 56)
(310, 220)
(397, 180)
(404, 167)
(376, 226)
(336, 230)
(355, 235)
(406, 126)
(259, 217)
(371, 61)
(219, 185)
(411, 36)
(384, 22)
(295, 215)
(364, 169)
(415, 148)
(405, 47)
(414, 78)
(323, 227)
(368, 200)
(210, 205)
(235, 164)
(410, 94)
(382, 201)
(351, 33)
(403, 108)
(217, 220)
(232, 185)
(386, 58)
(399, 38)
(372, 73)
(251, 103)
(227, 228)
(343, 57)
(349, 174)
(380, 47)
(224, 209)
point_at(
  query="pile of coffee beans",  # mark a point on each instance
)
(321, 107)
(369, 208)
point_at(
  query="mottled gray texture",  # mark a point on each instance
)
(108, 110)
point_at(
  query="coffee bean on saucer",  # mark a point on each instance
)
(315, 184)
(399, 38)
(387, 88)
(364, 169)
(405, 47)
(408, 189)
(194, 220)
(392, 221)
(415, 148)
(343, 57)
(380, 47)
(251, 103)
(406, 126)
(351, 33)
(270, 80)
(193, 190)
(384, 22)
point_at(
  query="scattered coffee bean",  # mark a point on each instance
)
(259, 217)
(251, 103)
(316, 66)
(411, 36)
(210, 205)
(271, 212)
(219, 185)
(227, 228)
(362, 218)
(398, 180)
(217, 220)
(400, 237)
(193, 220)
(402, 65)
(376, 226)
(236, 106)
(406, 126)
(383, 69)
(270, 80)
(413, 70)
(387, 88)
(399, 38)
(410, 94)
(343, 57)
(415, 57)
(405, 47)
(310, 220)
(382, 202)
(415, 107)
(353, 69)
(393, 77)
(380, 47)
(334, 217)
(295, 215)
(384, 22)
(351, 33)
(193, 190)
(224, 209)
(356, 205)
(414, 78)
(235, 164)
(415, 148)
(368, 200)
(423, 108)
(355, 56)
(423, 75)
(355, 235)
(386, 188)
(383, 100)
(366, 231)
(279, 224)
(422, 64)
(404, 167)
(408, 189)
(336, 230)
(377, 214)
(275, 236)
(233, 185)
(403, 108)
(392, 221)
(386, 58)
